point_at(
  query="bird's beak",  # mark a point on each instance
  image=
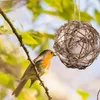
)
(55, 54)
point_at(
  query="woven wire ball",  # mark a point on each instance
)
(77, 44)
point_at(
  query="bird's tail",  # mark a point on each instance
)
(19, 87)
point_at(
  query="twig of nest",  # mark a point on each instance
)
(77, 44)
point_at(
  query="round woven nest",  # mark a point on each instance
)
(77, 44)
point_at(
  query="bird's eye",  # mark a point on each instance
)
(51, 52)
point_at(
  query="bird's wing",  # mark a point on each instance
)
(26, 72)
(30, 69)
(38, 59)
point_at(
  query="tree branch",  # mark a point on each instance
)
(98, 94)
(26, 51)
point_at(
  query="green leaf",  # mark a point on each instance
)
(97, 16)
(84, 95)
(37, 36)
(50, 36)
(54, 3)
(40, 38)
(58, 4)
(84, 16)
(27, 39)
(64, 9)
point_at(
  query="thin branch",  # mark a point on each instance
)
(26, 51)
(98, 94)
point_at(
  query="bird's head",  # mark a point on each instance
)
(46, 57)
(47, 52)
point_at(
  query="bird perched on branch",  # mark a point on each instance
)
(42, 63)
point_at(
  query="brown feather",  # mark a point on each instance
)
(32, 81)
(19, 88)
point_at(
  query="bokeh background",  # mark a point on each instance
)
(37, 22)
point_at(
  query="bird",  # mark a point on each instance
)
(42, 63)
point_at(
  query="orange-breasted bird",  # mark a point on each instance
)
(42, 62)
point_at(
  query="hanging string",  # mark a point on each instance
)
(74, 10)
(79, 10)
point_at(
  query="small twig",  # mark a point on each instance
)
(98, 94)
(79, 9)
(75, 10)
(26, 51)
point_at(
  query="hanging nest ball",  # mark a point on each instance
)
(77, 44)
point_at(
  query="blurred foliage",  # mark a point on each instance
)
(61, 8)
(8, 53)
(97, 16)
(7, 82)
(34, 6)
(12, 59)
(2, 93)
(33, 93)
(5, 28)
(9, 5)
(84, 95)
